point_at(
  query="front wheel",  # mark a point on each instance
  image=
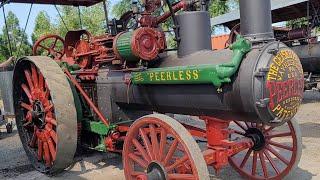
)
(158, 147)
(275, 154)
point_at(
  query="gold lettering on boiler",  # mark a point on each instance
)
(285, 83)
(179, 75)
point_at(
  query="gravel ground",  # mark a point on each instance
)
(15, 165)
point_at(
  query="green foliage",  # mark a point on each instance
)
(43, 26)
(19, 40)
(297, 23)
(121, 7)
(93, 19)
(218, 7)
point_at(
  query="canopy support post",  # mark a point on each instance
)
(7, 30)
(105, 7)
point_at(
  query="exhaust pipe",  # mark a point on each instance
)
(256, 20)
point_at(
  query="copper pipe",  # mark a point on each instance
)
(87, 98)
(175, 8)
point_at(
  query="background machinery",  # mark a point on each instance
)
(111, 93)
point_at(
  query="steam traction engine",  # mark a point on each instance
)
(102, 93)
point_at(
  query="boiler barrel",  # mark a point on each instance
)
(309, 56)
(266, 89)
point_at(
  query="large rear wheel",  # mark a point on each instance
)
(45, 113)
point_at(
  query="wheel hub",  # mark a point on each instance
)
(257, 137)
(38, 115)
(156, 171)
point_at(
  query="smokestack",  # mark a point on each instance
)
(256, 20)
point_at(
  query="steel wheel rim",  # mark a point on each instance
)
(58, 141)
(134, 154)
(259, 164)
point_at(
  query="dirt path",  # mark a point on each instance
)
(15, 165)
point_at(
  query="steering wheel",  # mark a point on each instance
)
(50, 45)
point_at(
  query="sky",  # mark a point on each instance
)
(22, 10)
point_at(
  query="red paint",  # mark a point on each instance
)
(280, 91)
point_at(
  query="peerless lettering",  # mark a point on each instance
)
(281, 91)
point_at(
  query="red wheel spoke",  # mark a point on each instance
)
(138, 160)
(40, 148)
(141, 150)
(181, 176)
(177, 163)
(254, 163)
(46, 48)
(154, 141)
(27, 92)
(268, 130)
(240, 125)
(282, 134)
(51, 121)
(48, 108)
(54, 43)
(46, 154)
(171, 151)
(163, 142)
(246, 157)
(47, 94)
(53, 135)
(52, 149)
(263, 165)
(272, 162)
(280, 145)
(41, 82)
(136, 173)
(26, 106)
(29, 80)
(283, 159)
(146, 142)
(33, 140)
(34, 76)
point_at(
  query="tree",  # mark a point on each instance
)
(93, 19)
(121, 7)
(43, 26)
(18, 39)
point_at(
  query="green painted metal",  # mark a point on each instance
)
(124, 48)
(196, 74)
(97, 127)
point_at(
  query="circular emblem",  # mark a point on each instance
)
(285, 84)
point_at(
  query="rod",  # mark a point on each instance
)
(87, 98)
(105, 8)
(24, 30)
(65, 25)
(80, 20)
(7, 30)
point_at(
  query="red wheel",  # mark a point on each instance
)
(50, 45)
(158, 147)
(276, 152)
(45, 117)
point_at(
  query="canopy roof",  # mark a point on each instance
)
(282, 10)
(56, 2)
